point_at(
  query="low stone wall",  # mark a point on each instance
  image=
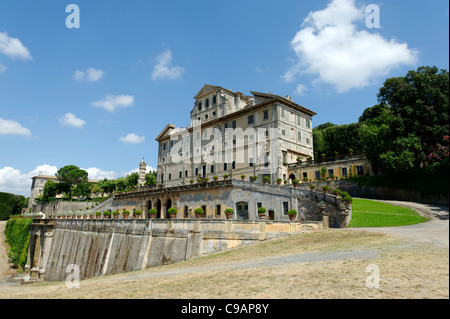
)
(102, 247)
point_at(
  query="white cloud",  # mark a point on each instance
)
(13, 181)
(112, 102)
(301, 89)
(164, 70)
(90, 75)
(2, 68)
(95, 173)
(9, 127)
(13, 47)
(330, 46)
(132, 138)
(70, 119)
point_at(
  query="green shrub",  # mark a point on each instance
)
(199, 211)
(292, 212)
(261, 211)
(153, 211)
(115, 212)
(98, 213)
(17, 233)
(336, 192)
(326, 188)
(106, 213)
(229, 211)
(172, 210)
(137, 212)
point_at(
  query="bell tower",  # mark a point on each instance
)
(142, 170)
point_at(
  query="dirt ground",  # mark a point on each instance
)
(5, 266)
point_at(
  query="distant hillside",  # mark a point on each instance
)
(11, 204)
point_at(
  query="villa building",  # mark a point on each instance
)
(234, 134)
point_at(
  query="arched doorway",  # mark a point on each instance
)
(292, 177)
(242, 210)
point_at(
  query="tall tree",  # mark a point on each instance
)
(71, 175)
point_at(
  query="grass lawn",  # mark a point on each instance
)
(368, 213)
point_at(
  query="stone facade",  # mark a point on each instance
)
(275, 132)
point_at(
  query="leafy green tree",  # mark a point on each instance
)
(419, 102)
(71, 175)
(51, 189)
(150, 178)
(132, 179)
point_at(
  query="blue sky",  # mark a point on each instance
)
(97, 96)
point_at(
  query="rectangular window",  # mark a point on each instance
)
(360, 170)
(164, 146)
(344, 171)
(317, 174)
(308, 123)
(283, 132)
(330, 172)
(233, 165)
(305, 175)
(218, 210)
(285, 207)
(212, 168)
(299, 135)
(186, 212)
(225, 166)
(204, 208)
(250, 161)
(180, 175)
(299, 120)
(250, 119)
(266, 115)
(259, 205)
(170, 176)
(282, 112)
(233, 124)
(186, 173)
(226, 125)
(196, 171)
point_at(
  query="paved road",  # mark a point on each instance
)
(435, 231)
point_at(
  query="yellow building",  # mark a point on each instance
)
(330, 168)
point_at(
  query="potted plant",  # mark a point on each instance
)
(199, 212)
(285, 182)
(323, 156)
(350, 151)
(254, 178)
(206, 179)
(266, 179)
(295, 182)
(242, 177)
(343, 194)
(262, 213)
(336, 192)
(115, 214)
(125, 214)
(322, 205)
(326, 189)
(299, 160)
(98, 215)
(225, 177)
(348, 201)
(336, 154)
(172, 211)
(312, 187)
(199, 180)
(229, 213)
(107, 214)
(292, 214)
(310, 159)
(137, 213)
(152, 213)
(279, 180)
(216, 178)
(191, 181)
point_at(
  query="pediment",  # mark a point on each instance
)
(165, 132)
(206, 89)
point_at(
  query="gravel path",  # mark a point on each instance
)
(5, 268)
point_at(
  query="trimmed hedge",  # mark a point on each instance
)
(17, 232)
